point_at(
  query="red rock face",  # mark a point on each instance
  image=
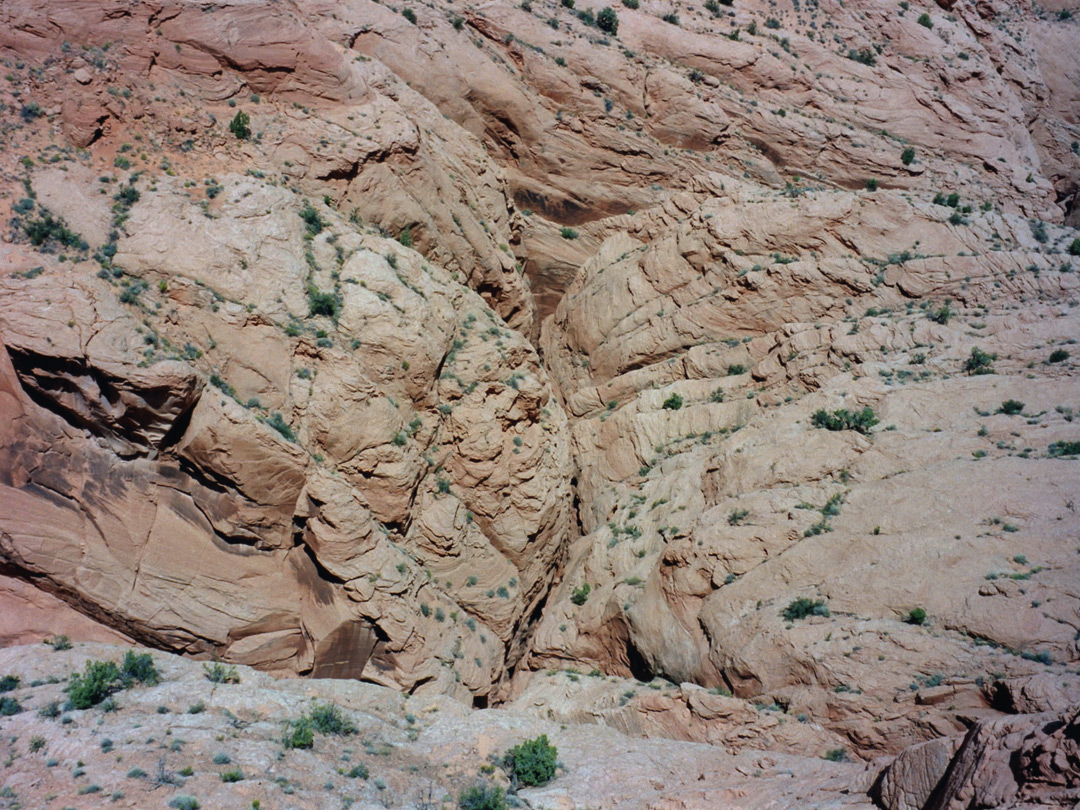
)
(442, 351)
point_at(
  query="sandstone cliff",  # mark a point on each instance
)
(710, 377)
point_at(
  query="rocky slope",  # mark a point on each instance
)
(221, 743)
(711, 378)
(330, 475)
(695, 361)
(244, 377)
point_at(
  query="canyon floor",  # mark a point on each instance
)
(694, 385)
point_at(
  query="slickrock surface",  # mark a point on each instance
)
(222, 743)
(408, 460)
(700, 390)
(417, 751)
(710, 502)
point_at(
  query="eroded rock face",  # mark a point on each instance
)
(909, 782)
(1020, 761)
(350, 131)
(590, 126)
(274, 385)
(29, 614)
(418, 746)
(346, 486)
(696, 349)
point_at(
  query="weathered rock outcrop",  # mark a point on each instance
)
(790, 467)
(695, 350)
(347, 130)
(346, 486)
(1019, 761)
(588, 125)
(407, 750)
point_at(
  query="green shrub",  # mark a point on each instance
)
(568, 233)
(872, 184)
(942, 314)
(322, 303)
(1074, 248)
(608, 21)
(9, 706)
(673, 403)
(836, 755)
(409, 15)
(220, 383)
(138, 667)
(49, 231)
(1038, 230)
(532, 763)
(925, 21)
(312, 221)
(50, 711)
(803, 607)
(240, 125)
(671, 18)
(1059, 449)
(1058, 356)
(127, 196)
(633, 4)
(863, 56)
(580, 594)
(327, 718)
(843, 419)
(58, 643)
(483, 796)
(97, 682)
(916, 616)
(907, 157)
(29, 111)
(278, 423)
(358, 772)
(9, 682)
(219, 673)
(736, 369)
(232, 776)
(299, 733)
(737, 517)
(1011, 407)
(182, 802)
(980, 362)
